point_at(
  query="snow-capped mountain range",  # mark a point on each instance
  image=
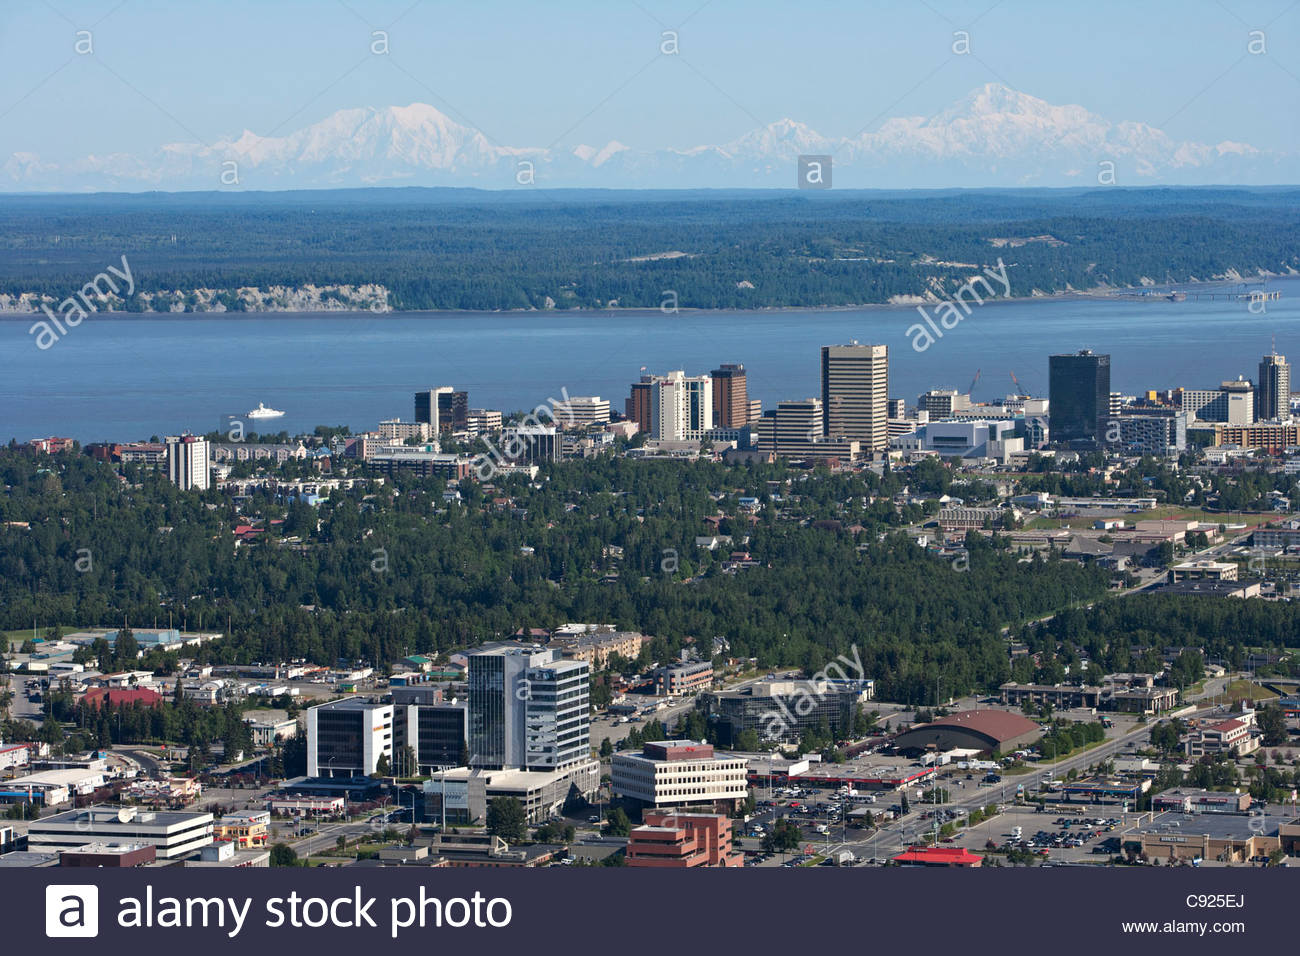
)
(994, 136)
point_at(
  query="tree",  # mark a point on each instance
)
(382, 766)
(506, 818)
(606, 748)
(407, 766)
(283, 855)
(1273, 723)
(784, 836)
(618, 824)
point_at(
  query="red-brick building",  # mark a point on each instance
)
(680, 840)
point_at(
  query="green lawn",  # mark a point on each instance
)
(15, 638)
(1245, 690)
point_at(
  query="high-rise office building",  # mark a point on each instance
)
(1079, 387)
(527, 710)
(434, 728)
(557, 715)
(855, 394)
(580, 411)
(1233, 402)
(1273, 401)
(941, 403)
(530, 444)
(637, 407)
(347, 738)
(187, 461)
(681, 406)
(443, 409)
(428, 405)
(795, 429)
(730, 397)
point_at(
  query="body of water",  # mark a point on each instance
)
(129, 377)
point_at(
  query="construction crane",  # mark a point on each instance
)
(1020, 389)
(971, 390)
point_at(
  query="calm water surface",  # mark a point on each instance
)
(125, 378)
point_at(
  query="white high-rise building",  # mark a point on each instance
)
(855, 393)
(579, 411)
(557, 715)
(187, 461)
(527, 710)
(681, 406)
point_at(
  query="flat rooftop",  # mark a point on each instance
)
(1217, 826)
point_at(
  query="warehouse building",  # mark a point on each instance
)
(982, 731)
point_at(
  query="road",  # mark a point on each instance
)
(895, 835)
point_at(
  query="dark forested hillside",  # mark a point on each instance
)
(382, 572)
(465, 249)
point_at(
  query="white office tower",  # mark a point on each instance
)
(681, 406)
(187, 461)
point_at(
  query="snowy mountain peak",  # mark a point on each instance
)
(992, 136)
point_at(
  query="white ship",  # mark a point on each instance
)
(261, 411)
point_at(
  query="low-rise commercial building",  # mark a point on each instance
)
(1221, 837)
(461, 795)
(675, 680)
(173, 833)
(1232, 737)
(679, 773)
(1203, 571)
(270, 727)
(949, 856)
(13, 756)
(51, 787)
(1060, 696)
(976, 730)
(781, 711)
(1144, 700)
(1102, 790)
(682, 840)
(109, 855)
(1190, 800)
(245, 829)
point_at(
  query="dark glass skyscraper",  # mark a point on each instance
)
(1273, 401)
(1079, 394)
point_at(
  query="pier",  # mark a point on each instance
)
(1196, 295)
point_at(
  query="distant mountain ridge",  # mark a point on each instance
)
(994, 136)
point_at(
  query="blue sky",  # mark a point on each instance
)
(570, 72)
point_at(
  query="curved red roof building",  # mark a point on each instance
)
(981, 730)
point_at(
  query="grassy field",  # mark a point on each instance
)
(15, 639)
(1245, 690)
